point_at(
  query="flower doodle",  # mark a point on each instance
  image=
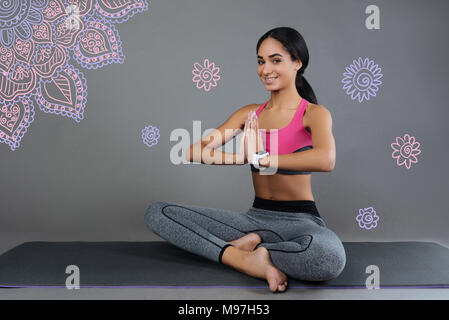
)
(36, 44)
(206, 75)
(361, 79)
(367, 218)
(405, 150)
(150, 135)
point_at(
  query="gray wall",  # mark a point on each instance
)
(93, 180)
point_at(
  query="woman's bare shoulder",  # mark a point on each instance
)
(253, 106)
(308, 113)
(249, 107)
(313, 106)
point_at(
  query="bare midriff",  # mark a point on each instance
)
(282, 186)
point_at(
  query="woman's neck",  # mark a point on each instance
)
(282, 100)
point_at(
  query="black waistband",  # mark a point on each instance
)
(307, 206)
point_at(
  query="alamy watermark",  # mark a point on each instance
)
(373, 280)
(178, 151)
(73, 20)
(73, 280)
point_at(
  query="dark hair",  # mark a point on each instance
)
(294, 43)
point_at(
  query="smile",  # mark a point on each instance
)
(270, 80)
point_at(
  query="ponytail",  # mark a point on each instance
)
(304, 89)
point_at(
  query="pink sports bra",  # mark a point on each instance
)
(292, 138)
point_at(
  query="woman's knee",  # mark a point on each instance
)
(323, 260)
(154, 212)
(330, 260)
(336, 264)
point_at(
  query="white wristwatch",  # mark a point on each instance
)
(259, 155)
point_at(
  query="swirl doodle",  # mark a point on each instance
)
(367, 218)
(150, 136)
(205, 76)
(361, 79)
(405, 150)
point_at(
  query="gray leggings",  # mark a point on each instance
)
(300, 244)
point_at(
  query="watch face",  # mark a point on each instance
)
(261, 152)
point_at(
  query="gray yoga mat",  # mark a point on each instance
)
(161, 264)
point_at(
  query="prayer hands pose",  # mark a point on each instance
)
(251, 141)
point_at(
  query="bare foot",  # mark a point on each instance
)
(258, 264)
(247, 242)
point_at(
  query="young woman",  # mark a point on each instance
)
(282, 234)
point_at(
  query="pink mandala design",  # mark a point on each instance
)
(35, 51)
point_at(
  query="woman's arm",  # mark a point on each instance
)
(204, 151)
(319, 159)
(204, 154)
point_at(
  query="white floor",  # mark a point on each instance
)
(220, 294)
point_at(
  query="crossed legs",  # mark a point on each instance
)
(302, 248)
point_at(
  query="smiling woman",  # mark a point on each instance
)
(298, 136)
(282, 234)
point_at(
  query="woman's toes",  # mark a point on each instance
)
(283, 285)
(272, 284)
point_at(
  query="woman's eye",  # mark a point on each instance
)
(273, 61)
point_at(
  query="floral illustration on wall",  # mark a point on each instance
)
(37, 40)
(361, 79)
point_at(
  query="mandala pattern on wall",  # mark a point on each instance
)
(37, 41)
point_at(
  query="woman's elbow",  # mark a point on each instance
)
(331, 164)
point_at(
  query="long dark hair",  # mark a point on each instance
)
(294, 43)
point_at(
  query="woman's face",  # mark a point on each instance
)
(275, 62)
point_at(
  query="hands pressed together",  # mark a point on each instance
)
(251, 140)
